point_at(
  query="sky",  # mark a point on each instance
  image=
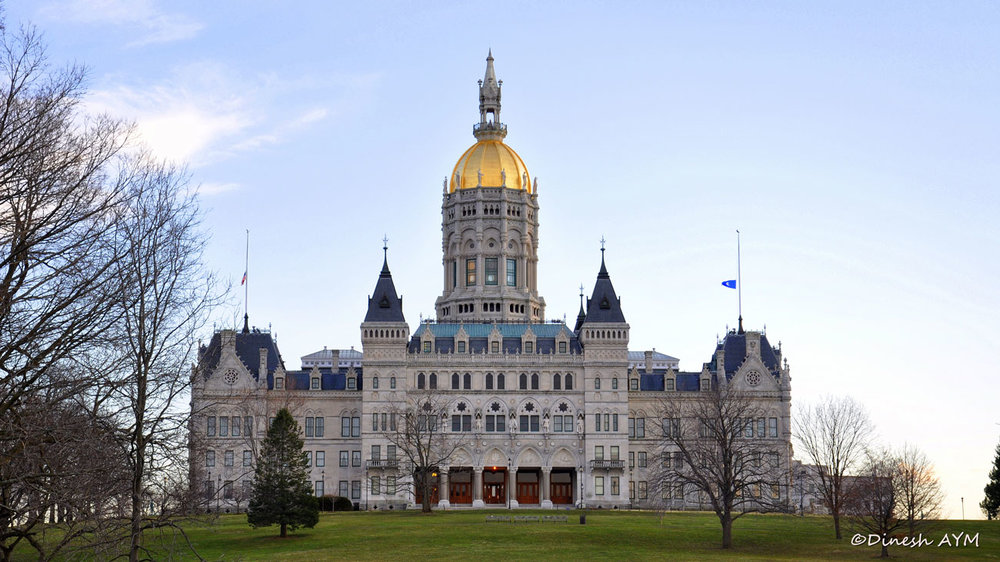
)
(854, 145)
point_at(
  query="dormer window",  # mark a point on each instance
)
(314, 383)
(427, 347)
(562, 347)
(352, 383)
(495, 347)
(529, 347)
(461, 347)
(279, 383)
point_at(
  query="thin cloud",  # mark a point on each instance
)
(154, 24)
(214, 188)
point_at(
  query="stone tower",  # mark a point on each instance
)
(489, 223)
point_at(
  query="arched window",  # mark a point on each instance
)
(597, 384)
(489, 381)
(534, 381)
(454, 381)
(614, 383)
(556, 382)
(467, 381)
(569, 381)
(375, 383)
(420, 380)
(433, 381)
(392, 382)
(523, 382)
(500, 382)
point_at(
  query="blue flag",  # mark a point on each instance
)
(731, 283)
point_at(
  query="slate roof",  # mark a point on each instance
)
(735, 346)
(511, 334)
(604, 306)
(330, 379)
(384, 305)
(636, 356)
(248, 346)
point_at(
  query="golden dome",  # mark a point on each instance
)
(495, 161)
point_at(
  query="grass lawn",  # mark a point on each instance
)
(464, 535)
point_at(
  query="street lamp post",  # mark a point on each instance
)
(802, 476)
(218, 492)
(509, 487)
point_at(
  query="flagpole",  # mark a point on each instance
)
(246, 283)
(739, 282)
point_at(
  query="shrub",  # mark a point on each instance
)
(340, 503)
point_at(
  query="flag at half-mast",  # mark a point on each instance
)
(244, 281)
(731, 283)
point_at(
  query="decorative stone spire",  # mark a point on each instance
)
(489, 126)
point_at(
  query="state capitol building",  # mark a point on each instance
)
(538, 413)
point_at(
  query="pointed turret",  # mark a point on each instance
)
(582, 315)
(384, 305)
(604, 305)
(490, 127)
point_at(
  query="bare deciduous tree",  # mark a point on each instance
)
(833, 434)
(919, 489)
(872, 503)
(703, 435)
(419, 438)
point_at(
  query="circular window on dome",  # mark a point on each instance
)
(231, 376)
(753, 378)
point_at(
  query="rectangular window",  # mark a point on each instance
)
(309, 458)
(376, 485)
(631, 459)
(679, 492)
(597, 422)
(374, 421)
(495, 347)
(631, 490)
(642, 459)
(392, 418)
(598, 485)
(511, 273)
(319, 427)
(671, 427)
(529, 347)
(390, 485)
(247, 458)
(427, 347)
(615, 452)
(598, 452)
(227, 490)
(236, 425)
(760, 428)
(642, 489)
(470, 272)
(492, 273)
(670, 386)
(345, 426)
(209, 458)
(342, 485)
(352, 383)
(607, 422)
(678, 460)
(640, 427)
(210, 426)
(461, 347)
(314, 383)
(384, 418)
(631, 428)
(633, 384)
(748, 429)
(319, 488)
(279, 383)
(344, 459)
(320, 458)
(248, 426)
(772, 427)
(355, 489)
(568, 424)
(557, 424)
(223, 426)
(356, 427)
(390, 452)
(355, 458)
(309, 427)
(615, 486)
(227, 458)
(562, 347)
(454, 274)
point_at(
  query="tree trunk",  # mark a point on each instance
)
(836, 524)
(727, 532)
(284, 529)
(885, 549)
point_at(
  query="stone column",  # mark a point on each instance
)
(444, 496)
(512, 487)
(546, 487)
(477, 487)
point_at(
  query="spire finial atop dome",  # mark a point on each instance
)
(489, 126)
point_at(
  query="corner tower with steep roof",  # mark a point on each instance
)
(489, 226)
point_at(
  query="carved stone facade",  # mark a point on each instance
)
(543, 414)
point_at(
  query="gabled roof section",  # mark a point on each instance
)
(604, 306)
(735, 347)
(248, 345)
(384, 305)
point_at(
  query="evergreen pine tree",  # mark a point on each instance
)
(282, 494)
(991, 503)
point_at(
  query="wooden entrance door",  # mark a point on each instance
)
(434, 495)
(527, 492)
(562, 493)
(494, 487)
(461, 492)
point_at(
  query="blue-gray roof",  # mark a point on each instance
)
(384, 305)
(329, 379)
(483, 330)
(735, 347)
(248, 345)
(604, 305)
